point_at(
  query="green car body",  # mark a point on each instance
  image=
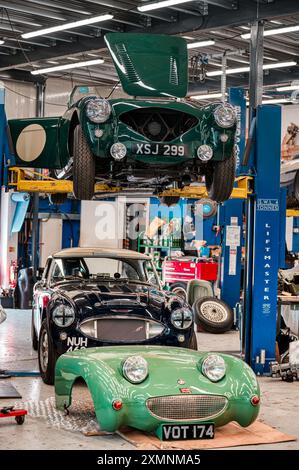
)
(168, 129)
(171, 373)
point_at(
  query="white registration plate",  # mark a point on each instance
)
(168, 150)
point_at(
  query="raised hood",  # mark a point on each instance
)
(150, 64)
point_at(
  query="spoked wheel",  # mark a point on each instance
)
(46, 355)
(214, 315)
(220, 179)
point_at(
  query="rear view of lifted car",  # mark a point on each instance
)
(156, 140)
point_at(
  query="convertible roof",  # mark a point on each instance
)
(100, 252)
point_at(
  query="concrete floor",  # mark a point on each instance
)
(279, 399)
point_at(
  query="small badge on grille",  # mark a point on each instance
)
(185, 390)
(181, 382)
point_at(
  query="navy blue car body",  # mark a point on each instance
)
(85, 310)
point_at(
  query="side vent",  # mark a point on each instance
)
(173, 72)
(126, 62)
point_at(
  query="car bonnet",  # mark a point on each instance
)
(150, 64)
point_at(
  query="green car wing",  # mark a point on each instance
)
(174, 378)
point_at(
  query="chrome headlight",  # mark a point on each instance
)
(182, 318)
(98, 110)
(135, 369)
(213, 367)
(204, 153)
(118, 151)
(225, 115)
(63, 315)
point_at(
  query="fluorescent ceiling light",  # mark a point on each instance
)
(273, 32)
(86, 63)
(273, 101)
(188, 37)
(1, 42)
(288, 88)
(277, 65)
(62, 27)
(277, 101)
(162, 4)
(193, 45)
(207, 96)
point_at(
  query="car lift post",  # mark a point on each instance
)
(40, 100)
(262, 220)
(230, 217)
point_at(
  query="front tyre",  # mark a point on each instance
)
(220, 180)
(193, 342)
(83, 167)
(34, 338)
(179, 289)
(47, 355)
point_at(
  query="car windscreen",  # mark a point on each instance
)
(102, 268)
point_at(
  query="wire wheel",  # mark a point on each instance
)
(213, 315)
(214, 312)
(44, 351)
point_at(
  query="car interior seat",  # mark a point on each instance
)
(197, 289)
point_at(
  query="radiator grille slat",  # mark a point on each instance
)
(186, 407)
(159, 124)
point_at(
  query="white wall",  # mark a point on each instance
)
(102, 223)
(20, 98)
(50, 238)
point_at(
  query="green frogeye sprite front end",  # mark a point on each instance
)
(155, 140)
(175, 392)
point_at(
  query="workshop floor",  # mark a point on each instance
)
(279, 409)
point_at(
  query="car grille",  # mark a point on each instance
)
(186, 407)
(121, 328)
(158, 124)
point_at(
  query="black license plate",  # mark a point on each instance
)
(167, 150)
(176, 432)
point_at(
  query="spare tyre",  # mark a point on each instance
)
(212, 314)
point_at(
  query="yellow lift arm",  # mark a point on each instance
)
(31, 181)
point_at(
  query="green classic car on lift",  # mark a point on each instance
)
(175, 392)
(155, 140)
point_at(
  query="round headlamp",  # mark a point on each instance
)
(213, 367)
(98, 110)
(63, 315)
(118, 151)
(204, 153)
(225, 115)
(135, 369)
(182, 318)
